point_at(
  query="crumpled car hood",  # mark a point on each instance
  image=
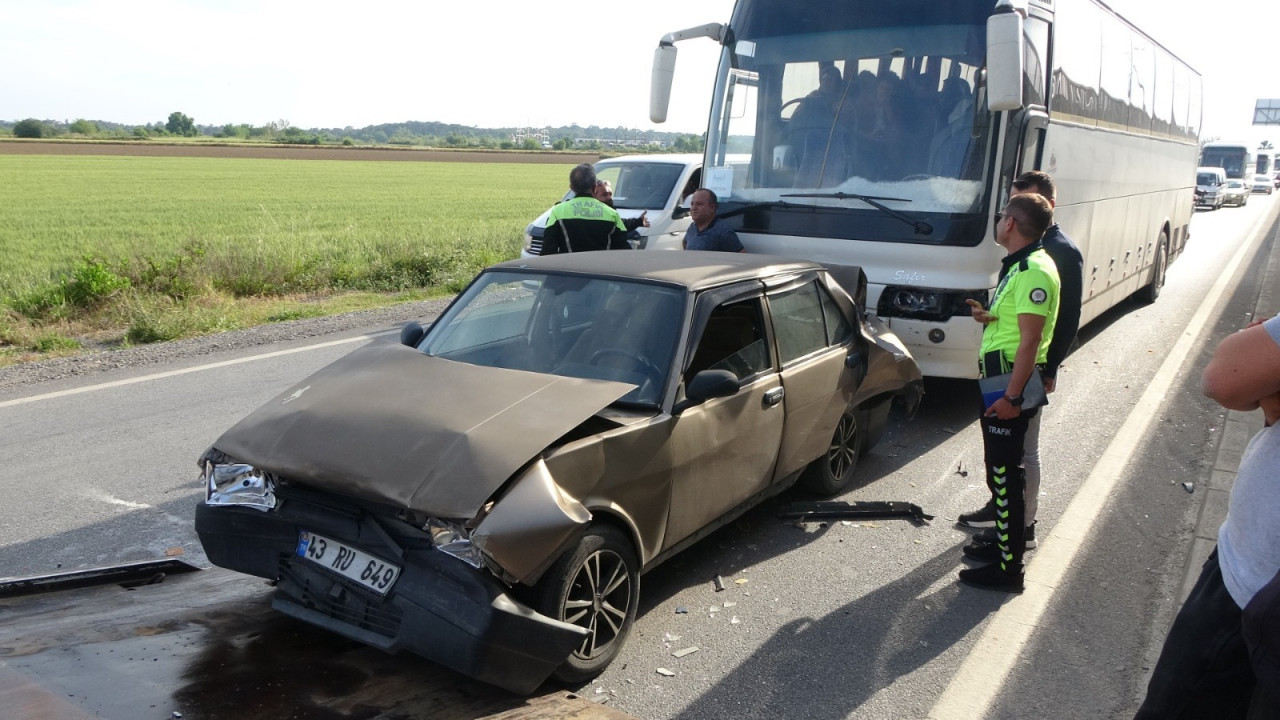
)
(393, 425)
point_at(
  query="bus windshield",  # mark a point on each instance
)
(861, 99)
(1235, 159)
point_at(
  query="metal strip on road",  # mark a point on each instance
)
(973, 688)
(175, 373)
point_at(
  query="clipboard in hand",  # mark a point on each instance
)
(994, 388)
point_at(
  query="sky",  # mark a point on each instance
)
(485, 63)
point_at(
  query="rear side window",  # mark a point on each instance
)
(838, 328)
(806, 320)
(798, 322)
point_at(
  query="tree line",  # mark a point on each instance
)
(413, 133)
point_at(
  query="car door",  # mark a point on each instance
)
(813, 340)
(724, 449)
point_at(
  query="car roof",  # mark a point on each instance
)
(692, 269)
(674, 158)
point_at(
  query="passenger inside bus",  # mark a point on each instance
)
(817, 136)
(878, 120)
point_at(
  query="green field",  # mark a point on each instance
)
(278, 214)
(163, 247)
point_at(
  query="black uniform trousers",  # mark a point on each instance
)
(1003, 444)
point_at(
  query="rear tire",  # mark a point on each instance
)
(594, 585)
(833, 473)
(1149, 293)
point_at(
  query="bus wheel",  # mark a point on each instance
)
(1149, 293)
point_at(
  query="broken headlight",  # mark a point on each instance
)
(238, 484)
(453, 539)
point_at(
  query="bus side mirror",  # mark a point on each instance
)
(1004, 61)
(664, 68)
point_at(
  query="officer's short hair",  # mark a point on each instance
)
(582, 179)
(1032, 213)
(1038, 182)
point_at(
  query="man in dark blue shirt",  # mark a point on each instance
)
(707, 231)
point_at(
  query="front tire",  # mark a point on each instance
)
(833, 473)
(596, 586)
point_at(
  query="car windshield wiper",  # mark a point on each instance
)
(921, 227)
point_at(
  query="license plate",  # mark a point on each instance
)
(355, 565)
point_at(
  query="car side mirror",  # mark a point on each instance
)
(709, 384)
(411, 334)
(681, 212)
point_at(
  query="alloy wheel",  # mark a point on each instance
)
(600, 601)
(843, 453)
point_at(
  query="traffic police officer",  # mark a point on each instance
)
(583, 223)
(1017, 330)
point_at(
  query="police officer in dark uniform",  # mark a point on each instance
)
(583, 223)
(1015, 340)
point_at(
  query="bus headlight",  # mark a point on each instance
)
(926, 303)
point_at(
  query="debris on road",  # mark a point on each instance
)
(686, 651)
(665, 672)
(806, 511)
(719, 584)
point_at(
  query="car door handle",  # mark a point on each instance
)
(773, 397)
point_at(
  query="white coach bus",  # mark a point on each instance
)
(886, 134)
(1236, 158)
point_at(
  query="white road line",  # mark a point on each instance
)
(184, 371)
(974, 687)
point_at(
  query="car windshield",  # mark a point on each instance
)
(570, 325)
(640, 185)
(1234, 184)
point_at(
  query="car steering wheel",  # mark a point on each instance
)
(642, 363)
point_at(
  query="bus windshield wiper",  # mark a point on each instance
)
(763, 204)
(921, 227)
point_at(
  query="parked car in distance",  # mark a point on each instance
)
(658, 185)
(1236, 193)
(1263, 184)
(1210, 182)
(488, 492)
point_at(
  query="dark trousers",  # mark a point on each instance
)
(1002, 445)
(1204, 669)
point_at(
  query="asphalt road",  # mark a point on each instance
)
(858, 619)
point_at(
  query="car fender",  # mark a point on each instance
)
(529, 526)
(890, 367)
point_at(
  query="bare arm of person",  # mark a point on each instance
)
(1244, 371)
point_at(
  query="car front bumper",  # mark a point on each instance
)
(439, 607)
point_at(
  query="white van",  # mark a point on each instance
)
(1211, 182)
(659, 185)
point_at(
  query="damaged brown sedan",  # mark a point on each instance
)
(488, 492)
